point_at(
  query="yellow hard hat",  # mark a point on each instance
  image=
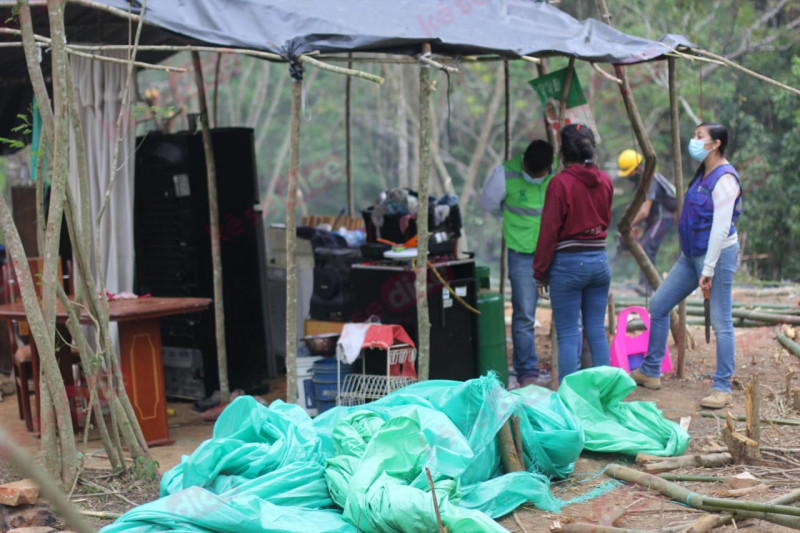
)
(627, 162)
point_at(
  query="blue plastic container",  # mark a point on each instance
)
(325, 381)
(635, 360)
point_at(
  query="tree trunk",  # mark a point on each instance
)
(291, 242)
(483, 141)
(213, 214)
(421, 281)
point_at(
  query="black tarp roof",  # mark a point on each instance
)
(509, 28)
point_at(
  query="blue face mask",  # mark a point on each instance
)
(697, 150)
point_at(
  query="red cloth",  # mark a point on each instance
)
(383, 336)
(577, 206)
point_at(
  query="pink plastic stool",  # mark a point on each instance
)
(627, 352)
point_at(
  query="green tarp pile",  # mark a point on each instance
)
(366, 468)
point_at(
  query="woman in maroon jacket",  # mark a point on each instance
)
(571, 252)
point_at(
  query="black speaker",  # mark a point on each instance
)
(332, 296)
(173, 256)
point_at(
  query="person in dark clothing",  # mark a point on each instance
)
(571, 258)
(657, 213)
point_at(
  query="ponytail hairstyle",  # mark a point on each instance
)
(577, 144)
(717, 132)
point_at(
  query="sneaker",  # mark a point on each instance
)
(716, 400)
(645, 381)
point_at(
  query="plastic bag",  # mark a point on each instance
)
(595, 397)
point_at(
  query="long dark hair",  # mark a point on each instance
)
(577, 144)
(717, 132)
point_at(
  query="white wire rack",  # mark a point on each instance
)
(358, 389)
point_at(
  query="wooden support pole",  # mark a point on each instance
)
(506, 157)
(565, 91)
(624, 226)
(421, 267)
(677, 173)
(291, 242)
(213, 217)
(612, 316)
(348, 134)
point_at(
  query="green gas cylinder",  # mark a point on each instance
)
(491, 328)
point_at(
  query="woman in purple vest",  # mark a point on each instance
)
(709, 256)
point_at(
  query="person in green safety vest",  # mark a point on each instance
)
(515, 190)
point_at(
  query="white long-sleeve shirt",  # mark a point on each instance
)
(724, 197)
(494, 190)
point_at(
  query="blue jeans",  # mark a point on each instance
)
(579, 284)
(523, 318)
(681, 281)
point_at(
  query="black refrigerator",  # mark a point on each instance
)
(173, 256)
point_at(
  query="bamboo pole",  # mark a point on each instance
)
(789, 344)
(565, 91)
(348, 135)
(213, 216)
(707, 523)
(291, 240)
(624, 226)
(752, 73)
(742, 418)
(693, 499)
(421, 267)
(506, 157)
(49, 487)
(677, 172)
(542, 70)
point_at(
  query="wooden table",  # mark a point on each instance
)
(140, 351)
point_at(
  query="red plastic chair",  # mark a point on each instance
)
(627, 352)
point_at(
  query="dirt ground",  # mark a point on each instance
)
(757, 351)
(645, 510)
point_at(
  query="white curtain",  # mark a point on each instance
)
(99, 87)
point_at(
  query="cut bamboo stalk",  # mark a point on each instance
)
(789, 344)
(693, 499)
(673, 463)
(742, 418)
(796, 399)
(583, 527)
(752, 406)
(682, 477)
(741, 448)
(508, 452)
(516, 434)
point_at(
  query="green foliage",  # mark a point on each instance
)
(764, 122)
(145, 469)
(25, 127)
